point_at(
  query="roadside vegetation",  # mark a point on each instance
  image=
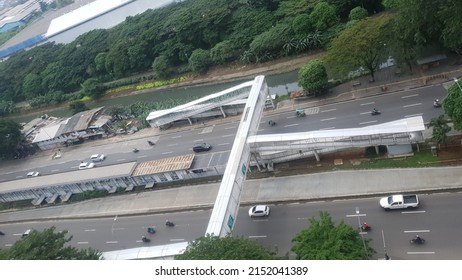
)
(186, 39)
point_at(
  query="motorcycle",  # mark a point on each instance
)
(169, 224)
(300, 113)
(151, 143)
(145, 240)
(135, 150)
(375, 112)
(365, 227)
(271, 123)
(436, 104)
(417, 240)
(151, 230)
(1, 233)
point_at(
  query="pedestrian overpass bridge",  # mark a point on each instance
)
(263, 151)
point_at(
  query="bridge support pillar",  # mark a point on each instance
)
(377, 149)
(223, 112)
(318, 159)
(190, 121)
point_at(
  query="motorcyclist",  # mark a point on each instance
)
(168, 223)
(375, 110)
(365, 226)
(135, 150)
(418, 239)
(436, 102)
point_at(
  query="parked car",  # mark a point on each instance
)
(86, 165)
(202, 147)
(259, 211)
(97, 157)
(33, 174)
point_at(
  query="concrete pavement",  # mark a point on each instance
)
(321, 186)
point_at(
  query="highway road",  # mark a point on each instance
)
(437, 221)
(349, 114)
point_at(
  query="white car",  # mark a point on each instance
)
(259, 211)
(97, 157)
(86, 165)
(33, 174)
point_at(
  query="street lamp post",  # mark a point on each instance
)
(457, 82)
(361, 230)
(112, 227)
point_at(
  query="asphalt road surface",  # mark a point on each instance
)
(436, 221)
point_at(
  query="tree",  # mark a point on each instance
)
(358, 13)
(160, 66)
(452, 105)
(440, 129)
(225, 248)
(324, 16)
(77, 106)
(10, 137)
(32, 86)
(269, 45)
(222, 52)
(323, 240)
(47, 245)
(93, 87)
(360, 45)
(199, 60)
(313, 77)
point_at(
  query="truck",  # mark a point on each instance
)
(399, 201)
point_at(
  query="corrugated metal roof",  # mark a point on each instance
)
(164, 165)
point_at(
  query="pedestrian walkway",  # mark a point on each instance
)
(312, 187)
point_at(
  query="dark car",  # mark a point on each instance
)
(202, 147)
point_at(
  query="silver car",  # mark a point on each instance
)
(259, 211)
(97, 157)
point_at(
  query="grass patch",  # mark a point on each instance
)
(420, 159)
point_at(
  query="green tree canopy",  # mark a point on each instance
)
(440, 129)
(199, 61)
(358, 13)
(47, 245)
(324, 16)
(324, 240)
(10, 134)
(93, 87)
(452, 105)
(160, 66)
(360, 45)
(225, 248)
(313, 77)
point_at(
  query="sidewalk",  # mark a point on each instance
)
(313, 187)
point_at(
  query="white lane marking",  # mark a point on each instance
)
(223, 144)
(367, 122)
(8, 245)
(199, 140)
(412, 105)
(414, 231)
(177, 239)
(415, 115)
(328, 110)
(326, 128)
(179, 136)
(16, 234)
(141, 156)
(229, 135)
(291, 117)
(120, 159)
(363, 113)
(368, 103)
(232, 127)
(90, 229)
(176, 144)
(294, 124)
(355, 215)
(257, 236)
(112, 242)
(261, 130)
(82, 242)
(413, 212)
(329, 119)
(420, 253)
(55, 170)
(19, 176)
(166, 153)
(407, 96)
